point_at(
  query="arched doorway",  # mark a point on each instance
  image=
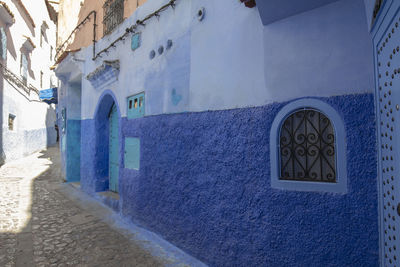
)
(107, 132)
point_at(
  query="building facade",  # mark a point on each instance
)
(82, 22)
(243, 132)
(27, 53)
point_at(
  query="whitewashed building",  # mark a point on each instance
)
(28, 35)
(244, 132)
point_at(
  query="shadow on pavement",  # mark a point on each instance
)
(42, 227)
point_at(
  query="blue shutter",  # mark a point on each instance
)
(136, 106)
(3, 37)
(24, 66)
(132, 153)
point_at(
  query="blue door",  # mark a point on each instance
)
(386, 35)
(114, 149)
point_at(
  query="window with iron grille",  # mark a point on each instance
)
(3, 43)
(113, 15)
(11, 119)
(307, 147)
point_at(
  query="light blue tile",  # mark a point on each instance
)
(135, 43)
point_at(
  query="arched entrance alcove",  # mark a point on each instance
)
(106, 105)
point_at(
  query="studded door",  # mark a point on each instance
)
(387, 64)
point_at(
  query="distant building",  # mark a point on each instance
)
(243, 132)
(27, 34)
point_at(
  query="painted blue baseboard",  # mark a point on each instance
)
(204, 185)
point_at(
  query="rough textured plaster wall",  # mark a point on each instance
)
(204, 185)
(204, 179)
(88, 144)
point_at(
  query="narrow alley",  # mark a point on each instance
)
(228, 133)
(40, 225)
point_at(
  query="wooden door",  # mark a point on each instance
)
(114, 149)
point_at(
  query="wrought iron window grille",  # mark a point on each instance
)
(307, 147)
(11, 119)
(113, 15)
(17, 81)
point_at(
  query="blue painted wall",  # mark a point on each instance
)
(274, 10)
(369, 10)
(322, 52)
(204, 185)
(88, 161)
(73, 151)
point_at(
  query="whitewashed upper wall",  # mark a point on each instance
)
(40, 56)
(230, 60)
(323, 52)
(30, 112)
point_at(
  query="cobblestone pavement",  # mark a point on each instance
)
(39, 226)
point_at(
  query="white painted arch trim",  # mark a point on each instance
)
(340, 147)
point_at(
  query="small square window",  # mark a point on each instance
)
(11, 119)
(136, 106)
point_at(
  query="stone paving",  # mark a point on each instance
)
(9, 204)
(39, 226)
